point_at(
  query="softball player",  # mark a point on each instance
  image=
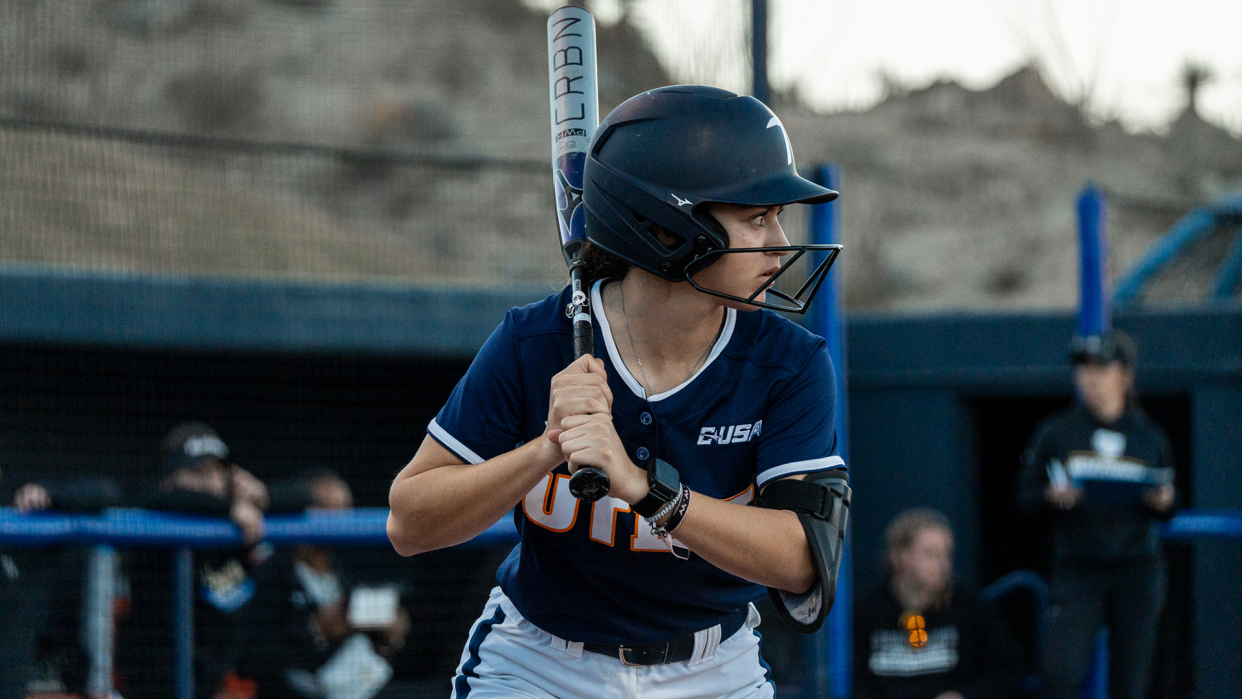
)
(699, 405)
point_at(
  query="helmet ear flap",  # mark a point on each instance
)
(710, 222)
(622, 217)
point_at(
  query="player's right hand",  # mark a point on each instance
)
(579, 389)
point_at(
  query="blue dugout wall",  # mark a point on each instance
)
(926, 393)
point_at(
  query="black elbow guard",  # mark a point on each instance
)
(822, 503)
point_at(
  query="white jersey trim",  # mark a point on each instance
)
(790, 469)
(462, 451)
(635, 386)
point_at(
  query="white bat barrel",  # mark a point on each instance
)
(572, 80)
(574, 110)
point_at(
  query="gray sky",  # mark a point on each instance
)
(1125, 56)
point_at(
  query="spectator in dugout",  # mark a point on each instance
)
(918, 635)
(41, 594)
(307, 637)
(1102, 474)
(195, 476)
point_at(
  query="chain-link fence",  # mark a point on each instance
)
(310, 140)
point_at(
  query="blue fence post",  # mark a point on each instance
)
(1095, 684)
(830, 651)
(97, 620)
(183, 624)
(1093, 310)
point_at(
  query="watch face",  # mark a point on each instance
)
(663, 484)
(664, 478)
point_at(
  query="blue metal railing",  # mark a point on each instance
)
(1032, 584)
(1197, 223)
(362, 526)
(185, 533)
(366, 526)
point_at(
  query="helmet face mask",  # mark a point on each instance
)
(662, 157)
(796, 302)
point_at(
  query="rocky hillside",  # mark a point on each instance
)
(960, 199)
(951, 198)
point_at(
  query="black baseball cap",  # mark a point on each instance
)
(1110, 346)
(191, 444)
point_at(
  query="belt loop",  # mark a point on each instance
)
(706, 642)
(571, 648)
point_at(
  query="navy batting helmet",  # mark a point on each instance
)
(660, 156)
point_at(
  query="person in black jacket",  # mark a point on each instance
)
(41, 593)
(1102, 473)
(920, 636)
(301, 617)
(196, 477)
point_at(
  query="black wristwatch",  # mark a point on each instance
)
(663, 484)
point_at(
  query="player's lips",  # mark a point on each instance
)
(770, 273)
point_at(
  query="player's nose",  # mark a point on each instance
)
(776, 236)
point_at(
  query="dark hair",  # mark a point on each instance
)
(601, 264)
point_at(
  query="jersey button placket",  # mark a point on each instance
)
(642, 454)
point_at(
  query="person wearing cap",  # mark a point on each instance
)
(195, 476)
(304, 637)
(1102, 473)
(40, 592)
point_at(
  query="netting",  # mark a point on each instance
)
(77, 419)
(309, 140)
(320, 139)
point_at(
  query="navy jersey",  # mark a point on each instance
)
(760, 408)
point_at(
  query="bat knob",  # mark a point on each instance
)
(589, 484)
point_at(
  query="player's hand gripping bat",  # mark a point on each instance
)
(575, 113)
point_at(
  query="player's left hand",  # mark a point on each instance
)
(591, 440)
(1159, 498)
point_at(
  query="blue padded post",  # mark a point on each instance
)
(1093, 311)
(830, 672)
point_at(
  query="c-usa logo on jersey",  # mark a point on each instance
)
(730, 434)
